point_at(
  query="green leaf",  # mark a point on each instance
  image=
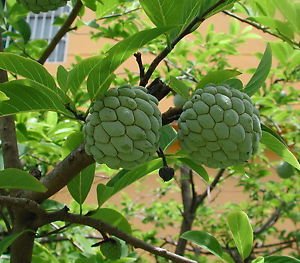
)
(105, 7)
(79, 73)
(269, 130)
(26, 68)
(74, 140)
(242, 233)
(217, 77)
(177, 14)
(81, 184)
(199, 169)
(41, 251)
(204, 240)
(6, 242)
(179, 87)
(100, 77)
(26, 95)
(258, 260)
(12, 178)
(62, 77)
(261, 72)
(279, 148)
(234, 83)
(281, 259)
(3, 96)
(113, 218)
(124, 179)
(167, 136)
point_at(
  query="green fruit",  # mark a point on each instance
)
(111, 249)
(37, 6)
(179, 101)
(285, 170)
(122, 129)
(219, 127)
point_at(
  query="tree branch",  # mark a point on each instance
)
(61, 32)
(8, 132)
(201, 197)
(63, 172)
(169, 48)
(270, 222)
(23, 203)
(64, 215)
(261, 28)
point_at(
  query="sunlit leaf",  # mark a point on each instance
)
(204, 240)
(26, 68)
(27, 95)
(261, 72)
(279, 148)
(242, 233)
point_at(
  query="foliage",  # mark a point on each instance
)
(49, 113)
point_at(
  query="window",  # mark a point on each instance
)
(42, 28)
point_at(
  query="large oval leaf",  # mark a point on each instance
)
(199, 169)
(242, 233)
(281, 259)
(27, 95)
(26, 68)
(12, 178)
(261, 72)
(217, 77)
(125, 178)
(101, 75)
(204, 240)
(81, 184)
(114, 218)
(279, 148)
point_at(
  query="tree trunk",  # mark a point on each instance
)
(186, 225)
(21, 249)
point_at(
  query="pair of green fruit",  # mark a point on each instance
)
(37, 6)
(219, 127)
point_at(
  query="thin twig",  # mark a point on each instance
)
(61, 32)
(262, 28)
(169, 48)
(64, 215)
(138, 57)
(216, 180)
(118, 15)
(270, 222)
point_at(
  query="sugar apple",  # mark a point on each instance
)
(37, 6)
(285, 170)
(219, 127)
(122, 129)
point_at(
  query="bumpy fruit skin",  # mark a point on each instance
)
(219, 127)
(122, 129)
(285, 170)
(37, 6)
